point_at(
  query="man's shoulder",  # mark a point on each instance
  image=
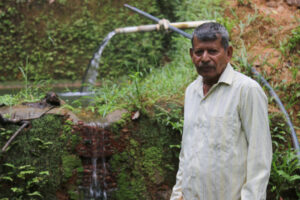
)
(242, 80)
(195, 84)
(247, 85)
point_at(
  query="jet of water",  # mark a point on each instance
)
(92, 70)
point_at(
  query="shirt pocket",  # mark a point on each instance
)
(220, 131)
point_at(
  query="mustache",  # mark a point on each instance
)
(206, 67)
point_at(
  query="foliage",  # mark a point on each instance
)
(146, 161)
(32, 169)
(26, 176)
(284, 179)
(129, 187)
(31, 92)
(69, 163)
(294, 41)
(58, 40)
(146, 88)
(199, 10)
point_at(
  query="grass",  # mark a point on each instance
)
(144, 89)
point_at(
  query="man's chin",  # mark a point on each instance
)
(209, 78)
(207, 75)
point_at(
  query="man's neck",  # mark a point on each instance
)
(207, 84)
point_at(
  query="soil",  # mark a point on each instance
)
(267, 24)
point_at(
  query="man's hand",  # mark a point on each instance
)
(181, 198)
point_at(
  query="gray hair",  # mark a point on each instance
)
(210, 32)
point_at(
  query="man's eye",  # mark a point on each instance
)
(199, 52)
(212, 51)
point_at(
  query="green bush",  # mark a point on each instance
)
(58, 40)
(38, 161)
(294, 41)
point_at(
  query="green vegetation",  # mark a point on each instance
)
(146, 162)
(58, 40)
(28, 176)
(294, 41)
(158, 67)
(284, 179)
(39, 161)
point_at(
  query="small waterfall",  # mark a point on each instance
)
(96, 193)
(92, 70)
(95, 149)
(103, 163)
(95, 190)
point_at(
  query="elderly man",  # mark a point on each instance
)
(226, 149)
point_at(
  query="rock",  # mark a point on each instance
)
(164, 195)
(115, 116)
(293, 3)
(271, 4)
(52, 99)
(26, 112)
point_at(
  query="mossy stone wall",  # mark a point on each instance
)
(40, 160)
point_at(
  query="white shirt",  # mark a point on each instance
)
(226, 149)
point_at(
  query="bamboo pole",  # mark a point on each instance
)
(164, 24)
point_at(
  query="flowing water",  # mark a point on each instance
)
(96, 192)
(92, 70)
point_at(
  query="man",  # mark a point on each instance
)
(226, 149)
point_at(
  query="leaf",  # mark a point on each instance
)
(22, 174)
(16, 190)
(37, 140)
(284, 174)
(9, 165)
(295, 177)
(48, 143)
(44, 173)
(36, 193)
(7, 178)
(24, 166)
(175, 146)
(135, 115)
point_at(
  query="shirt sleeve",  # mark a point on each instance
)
(177, 189)
(255, 124)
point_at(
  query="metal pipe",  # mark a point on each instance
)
(156, 27)
(254, 71)
(157, 20)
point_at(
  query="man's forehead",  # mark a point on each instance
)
(205, 42)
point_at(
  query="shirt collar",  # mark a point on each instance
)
(227, 75)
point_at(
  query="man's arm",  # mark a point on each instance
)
(255, 123)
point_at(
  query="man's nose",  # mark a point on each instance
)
(205, 57)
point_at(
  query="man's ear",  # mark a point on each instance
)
(229, 52)
(191, 52)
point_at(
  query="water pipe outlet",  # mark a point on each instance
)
(162, 25)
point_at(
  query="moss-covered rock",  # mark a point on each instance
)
(147, 165)
(39, 161)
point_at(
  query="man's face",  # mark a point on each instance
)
(210, 58)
